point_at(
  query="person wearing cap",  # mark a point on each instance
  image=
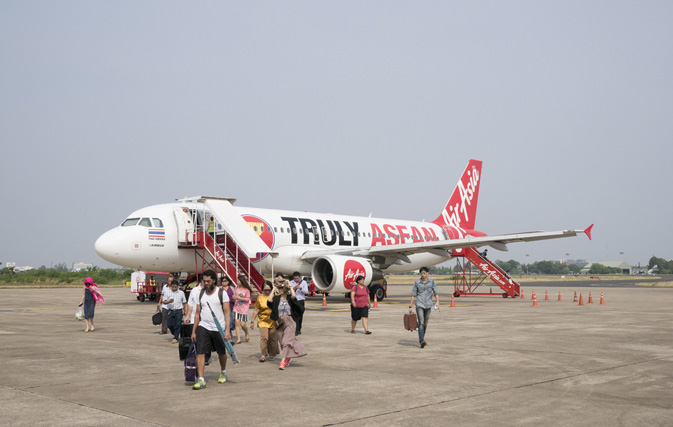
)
(421, 293)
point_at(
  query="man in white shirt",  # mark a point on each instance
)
(191, 310)
(163, 305)
(214, 303)
(175, 301)
(301, 290)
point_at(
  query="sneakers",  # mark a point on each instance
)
(223, 378)
(368, 333)
(199, 385)
(423, 344)
(282, 366)
(174, 341)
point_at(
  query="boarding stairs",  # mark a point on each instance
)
(465, 283)
(228, 246)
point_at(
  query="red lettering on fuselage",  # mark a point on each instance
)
(390, 229)
(396, 234)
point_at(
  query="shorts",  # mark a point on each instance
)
(358, 313)
(242, 317)
(207, 341)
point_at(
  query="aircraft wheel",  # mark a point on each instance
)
(377, 291)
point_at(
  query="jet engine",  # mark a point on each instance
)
(337, 273)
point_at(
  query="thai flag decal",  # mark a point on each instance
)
(157, 234)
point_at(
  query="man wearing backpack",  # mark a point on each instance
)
(213, 303)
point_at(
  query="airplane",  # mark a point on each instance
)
(332, 249)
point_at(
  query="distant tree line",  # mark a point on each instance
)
(60, 274)
(665, 267)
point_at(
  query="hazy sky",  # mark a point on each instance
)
(347, 107)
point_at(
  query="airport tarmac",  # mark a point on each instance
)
(489, 361)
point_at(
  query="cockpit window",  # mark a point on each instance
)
(145, 222)
(130, 222)
(158, 223)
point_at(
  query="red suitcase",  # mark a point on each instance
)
(410, 321)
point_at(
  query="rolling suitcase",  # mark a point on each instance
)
(185, 340)
(410, 321)
(190, 364)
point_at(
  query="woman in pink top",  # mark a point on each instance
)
(360, 304)
(241, 307)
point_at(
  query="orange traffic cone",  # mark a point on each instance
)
(546, 296)
(581, 301)
(324, 300)
(602, 300)
(534, 300)
(591, 300)
(575, 298)
(559, 296)
(453, 302)
(522, 297)
(376, 303)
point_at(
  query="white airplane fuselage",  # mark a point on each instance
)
(284, 232)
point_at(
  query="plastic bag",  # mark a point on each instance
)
(79, 313)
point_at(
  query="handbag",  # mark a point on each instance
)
(157, 318)
(280, 322)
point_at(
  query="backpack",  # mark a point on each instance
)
(190, 364)
(220, 293)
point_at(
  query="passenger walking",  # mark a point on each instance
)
(191, 309)
(421, 293)
(163, 305)
(241, 308)
(360, 305)
(176, 302)
(268, 340)
(301, 290)
(283, 305)
(90, 297)
(229, 289)
(212, 303)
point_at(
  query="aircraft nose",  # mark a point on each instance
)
(106, 246)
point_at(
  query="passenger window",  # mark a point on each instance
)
(158, 223)
(145, 222)
(130, 222)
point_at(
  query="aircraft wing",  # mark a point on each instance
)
(442, 247)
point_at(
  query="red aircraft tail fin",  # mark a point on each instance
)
(461, 209)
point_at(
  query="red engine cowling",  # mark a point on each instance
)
(337, 273)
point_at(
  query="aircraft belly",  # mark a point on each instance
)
(417, 261)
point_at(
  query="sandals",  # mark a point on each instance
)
(247, 339)
(262, 359)
(352, 331)
(238, 342)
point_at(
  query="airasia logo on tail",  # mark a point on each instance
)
(352, 269)
(461, 210)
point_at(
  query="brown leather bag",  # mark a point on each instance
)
(410, 321)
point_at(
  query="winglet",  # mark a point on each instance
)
(588, 231)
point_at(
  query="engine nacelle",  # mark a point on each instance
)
(337, 273)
